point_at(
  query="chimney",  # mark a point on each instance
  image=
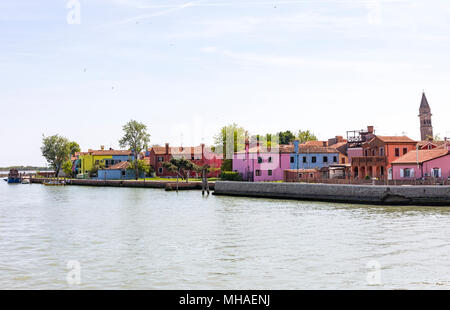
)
(102, 147)
(325, 143)
(167, 148)
(370, 129)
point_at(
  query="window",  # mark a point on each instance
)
(311, 175)
(300, 175)
(292, 159)
(335, 159)
(304, 159)
(325, 159)
(258, 173)
(405, 150)
(381, 151)
(343, 160)
(314, 159)
(269, 159)
(97, 162)
(123, 173)
(407, 173)
(192, 158)
(260, 160)
(160, 170)
(374, 152)
(269, 172)
(397, 152)
(160, 158)
(436, 172)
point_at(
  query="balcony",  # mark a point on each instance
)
(369, 160)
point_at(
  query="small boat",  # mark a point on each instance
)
(26, 181)
(54, 183)
(14, 176)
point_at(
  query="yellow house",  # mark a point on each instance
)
(105, 158)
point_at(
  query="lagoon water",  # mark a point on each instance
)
(125, 238)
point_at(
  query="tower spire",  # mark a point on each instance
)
(426, 127)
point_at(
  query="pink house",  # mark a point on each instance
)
(433, 163)
(259, 165)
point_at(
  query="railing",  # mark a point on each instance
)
(369, 160)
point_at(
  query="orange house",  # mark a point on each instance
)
(378, 155)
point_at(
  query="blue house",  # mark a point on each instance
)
(119, 171)
(312, 157)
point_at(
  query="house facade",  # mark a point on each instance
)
(258, 164)
(119, 171)
(199, 155)
(312, 156)
(422, 164)
(86, 161)
(378, 154)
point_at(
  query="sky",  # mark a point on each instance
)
(82, 69)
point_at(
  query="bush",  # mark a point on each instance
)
(230, 176)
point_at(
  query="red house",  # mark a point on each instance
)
(199, 155)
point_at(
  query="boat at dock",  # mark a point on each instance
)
(54, 183)
(14, 176)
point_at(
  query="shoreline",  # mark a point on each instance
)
(168, 186)
(355, 194)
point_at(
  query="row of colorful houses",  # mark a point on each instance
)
(363, 155)
(115, 164)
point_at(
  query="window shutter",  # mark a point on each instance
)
(413, 173)
(402, 173)
(440, 172)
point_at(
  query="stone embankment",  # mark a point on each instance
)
(132, 183)
(361, 194)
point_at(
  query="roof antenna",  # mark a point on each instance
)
(181, 139)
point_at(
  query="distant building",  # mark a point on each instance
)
(119, 171)
(312, 157)
(378, 154)
(199, 155)
(259, 164)
(426, 126)
(420, 164)
(102, 158)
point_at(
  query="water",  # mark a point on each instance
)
(125, 238)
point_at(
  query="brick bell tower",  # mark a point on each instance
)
(426, 127)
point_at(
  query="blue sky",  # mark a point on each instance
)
(186, 68)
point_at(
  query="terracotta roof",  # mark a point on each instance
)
(316, 149)
(282, 148)
(105, 152)
(315, 143)
(395, 139)
(424, 155)
(119, 166)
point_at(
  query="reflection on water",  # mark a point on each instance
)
(152, 239)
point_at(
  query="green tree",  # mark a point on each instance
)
(136, 139)
(238, 133)
(74, 148)
(56, 151)
(142, 166)
(305, 136)
(67, 168)
(286, 137)
(181, 166)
